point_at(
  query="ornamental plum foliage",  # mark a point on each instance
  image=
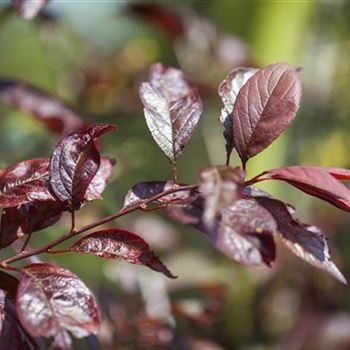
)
(240, 220)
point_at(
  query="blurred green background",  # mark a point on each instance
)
(93, 55)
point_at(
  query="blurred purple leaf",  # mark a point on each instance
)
(220, 186)
(244, 233)
(99, 181)
(28, 9)
(163, 17)
(57, 117)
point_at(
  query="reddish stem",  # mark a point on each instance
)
(123, 211)
(255, 179)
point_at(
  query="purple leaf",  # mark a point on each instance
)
(52, 300)
(27, 218)
(189, 212)
(316, 181)
(244, 233)
(147, 189)
(24, 182)
(62, 341)
(120, 245)
(220, 186)
(264, 107)
(12, 334)
(74, 163)
(305, 241)
(48, 110)
(9, 285)
(228, 91)
(28, 9)
(99, 182)
(172, 108)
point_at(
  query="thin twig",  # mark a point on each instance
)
(255, 179)
(228, 156)
(29, 236)
(72, 229)
(174, 171)
(123, 211)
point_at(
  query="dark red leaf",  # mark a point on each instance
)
(244, 233)
(228, 91)
(8, 284)
(305, 241)
(28, 218)
(99, 182)
(28, 9)
(52, 300)
(121, 245)
(74, 163)
(56, 116)
(220, 186)
(264, 107)
(12, 334)
(147, 189)
(172, 108)
(316, 181)
(24, 182)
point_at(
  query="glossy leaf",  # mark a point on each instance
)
(12, 334)
(316, 181)
(244, 233)
(305, 241)
(24, 182)
(120, 245)
(28, 9)
(99, 181)
(27, 218)
(48, 110)
(228, 91)
(220, 187)
(52, 300)
(264, 107)
(172, 108)
(74, 163)
(147, 189)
